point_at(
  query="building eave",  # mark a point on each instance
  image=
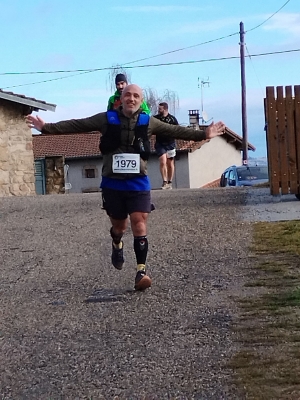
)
(28, 101)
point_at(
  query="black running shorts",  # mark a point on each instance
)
(118, 204)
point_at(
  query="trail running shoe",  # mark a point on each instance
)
(117, 257)
(142, 281)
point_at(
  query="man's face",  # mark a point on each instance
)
(132, 98)
(121, 85)
(161, 110)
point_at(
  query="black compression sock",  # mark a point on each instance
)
(140, 245)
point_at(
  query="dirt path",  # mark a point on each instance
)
(71, 326)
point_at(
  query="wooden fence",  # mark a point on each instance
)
(282, 115)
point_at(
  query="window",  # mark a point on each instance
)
(226, 178)
(252, 173)
(90, 173)
(231, 174)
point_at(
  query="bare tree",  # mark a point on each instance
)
(172, 99)
(113, 72)
(169, 96)
(151, 98)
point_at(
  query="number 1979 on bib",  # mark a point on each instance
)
(126, 163)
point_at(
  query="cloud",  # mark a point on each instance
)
(76, 110)
(160, 9)
(49, 61)
(285, 22)
(205, 26)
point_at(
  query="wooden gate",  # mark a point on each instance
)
(282, 115)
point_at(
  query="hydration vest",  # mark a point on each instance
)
(111, 140)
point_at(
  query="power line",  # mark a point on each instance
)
(130, 62)
(213, 40)
(146, 58)
(50, 80)
(51, 72)
(163, 65)
(276, 12)
(210, 59)
(184, 48)
(81, 71)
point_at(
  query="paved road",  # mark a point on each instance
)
(72, 327)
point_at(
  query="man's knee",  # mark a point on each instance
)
(138, 222)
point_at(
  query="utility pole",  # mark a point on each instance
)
(243, 83)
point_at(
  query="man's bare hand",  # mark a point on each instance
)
(215, 129)
(34, 122)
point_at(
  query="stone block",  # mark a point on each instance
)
(4, 177)
(29, 178)
(26, 189)
(2, 125)
(3, 141)
(4, 191)
(4, 154)
(14, 189)
(4, 166)
(17, 179)
(15, 140)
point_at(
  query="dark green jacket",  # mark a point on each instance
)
(98, 122)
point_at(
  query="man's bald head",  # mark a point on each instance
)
(132, 98)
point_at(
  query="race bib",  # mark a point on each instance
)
(126, 163)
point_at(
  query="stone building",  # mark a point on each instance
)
(17, 177)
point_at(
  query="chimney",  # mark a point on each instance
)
(194, 119)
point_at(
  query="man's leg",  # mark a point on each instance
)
(114, 204)
(139, 229)
(171, 153)
(171, 169)
(163, 169)
(117, 231)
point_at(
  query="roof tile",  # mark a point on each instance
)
(86, 145)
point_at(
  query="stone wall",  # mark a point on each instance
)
(55, 181)
(16, 155)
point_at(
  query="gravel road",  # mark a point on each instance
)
(72, 327)
(261, 206)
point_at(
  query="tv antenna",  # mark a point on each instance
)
(201, 84)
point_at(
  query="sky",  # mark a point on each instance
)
(86, 39)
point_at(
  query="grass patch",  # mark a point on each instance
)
(277, 237)
(268, 363)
